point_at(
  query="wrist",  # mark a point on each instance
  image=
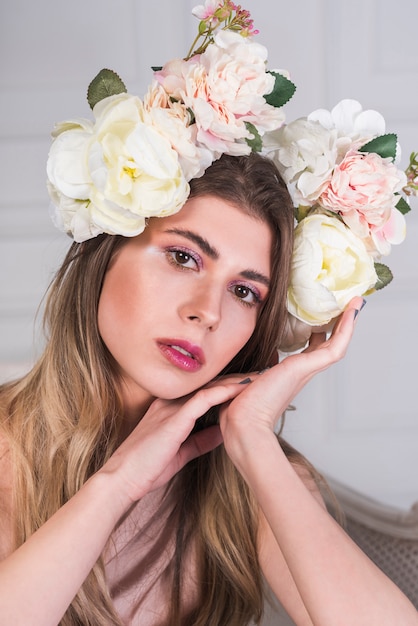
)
(251, 453)
(107, 490)
(122, 491)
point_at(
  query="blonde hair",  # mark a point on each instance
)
(62, 420)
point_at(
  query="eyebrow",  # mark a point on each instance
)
(213, 253)
(203, 243)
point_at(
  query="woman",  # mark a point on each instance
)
(109, 461)
(142, 481)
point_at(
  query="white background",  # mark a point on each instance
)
(358, 422)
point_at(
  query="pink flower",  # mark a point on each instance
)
(363, 190)
(393, 232)
(225, 88)
(206, 11)
(172, 119)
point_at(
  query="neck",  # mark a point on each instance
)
(134, 410)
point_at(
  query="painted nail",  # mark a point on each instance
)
(245, 381)
(357, 311)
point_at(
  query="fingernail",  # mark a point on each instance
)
(357, 311)
(245, 381)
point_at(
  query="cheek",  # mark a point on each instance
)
(239, 327)
(109, 320)
(117, 308)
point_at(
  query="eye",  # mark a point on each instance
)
(247, 295)
(182, 258)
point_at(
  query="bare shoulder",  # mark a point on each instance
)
(5, 496)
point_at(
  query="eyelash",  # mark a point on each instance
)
(171, 257)
(171, 254)
(256, 298)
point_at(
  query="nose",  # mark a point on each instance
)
(202, 306)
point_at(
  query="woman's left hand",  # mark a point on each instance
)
(250, 418)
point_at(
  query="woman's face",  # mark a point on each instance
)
(180, 300)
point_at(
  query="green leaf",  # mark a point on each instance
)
(384, 275)
(384, 146)
(191, 116)
(106, 83)
(256, 142)
(301, 212)
(202, 27)
(403, 206)
(283, 90)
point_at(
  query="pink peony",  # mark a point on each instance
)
(225, 88)
(363, 190)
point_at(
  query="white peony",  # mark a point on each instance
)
(305, 154)
(67, 167)
(330, 265)
(111, 176)
(350, 121)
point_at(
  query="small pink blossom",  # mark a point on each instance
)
(206, 11)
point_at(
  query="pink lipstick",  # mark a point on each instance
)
(182, 354)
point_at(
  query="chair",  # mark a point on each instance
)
(389, 536)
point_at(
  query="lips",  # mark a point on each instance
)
(182, 354)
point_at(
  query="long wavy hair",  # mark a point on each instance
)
(62, 420)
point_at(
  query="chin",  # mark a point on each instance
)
(170, 388)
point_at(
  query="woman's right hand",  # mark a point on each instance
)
(161, 443)
(77, 533)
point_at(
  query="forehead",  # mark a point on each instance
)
(214, 217)
(220, 229)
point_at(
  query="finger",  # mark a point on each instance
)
(354, 307)
(200, 402)
(200, 443)
(339, 339)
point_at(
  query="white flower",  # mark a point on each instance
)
(67, 168)
(308, 149)
(69, 181)
(350, 121)
(116, 174)
(306, 154)
(330, 265)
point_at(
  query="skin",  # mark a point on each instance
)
(166, 283)
(310, 563)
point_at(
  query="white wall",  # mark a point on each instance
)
(359, 422)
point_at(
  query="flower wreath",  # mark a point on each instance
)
(350, 198)
(136, 159)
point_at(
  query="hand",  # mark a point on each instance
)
(251, 417)
(161, 444)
